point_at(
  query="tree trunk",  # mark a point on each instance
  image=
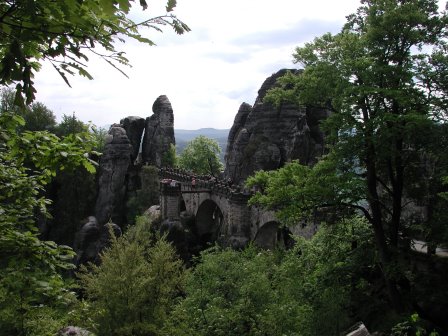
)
(378, 228)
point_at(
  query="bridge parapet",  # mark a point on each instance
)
(206, 182)
(218, 211)
(169, 204)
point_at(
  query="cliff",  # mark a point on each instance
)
(266, 137)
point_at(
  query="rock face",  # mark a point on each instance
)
(266, 137)
(119, 167)
(134, 127)
(86, 241)
(120, 174)
(159, 132)
(114, 165)
(92, 239)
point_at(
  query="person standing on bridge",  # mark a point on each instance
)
(193, 183)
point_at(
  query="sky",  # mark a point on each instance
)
(233, 46)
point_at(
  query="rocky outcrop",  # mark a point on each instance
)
(92, 238)
(86, 241)
(134, 127)
(266, 137)
(114, 165)
(74, 331)
(159, 133)
(120, 175)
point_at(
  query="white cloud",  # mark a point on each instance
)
(233, 46)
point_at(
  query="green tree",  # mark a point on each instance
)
(169, 159)
(100, 134)
(308, 290)
(330, 274)
(30, 268)
(38, 117)
(201, 155)
(133, 290)
(70, 125)
(66, 33)
(380, 77)
(235, 293)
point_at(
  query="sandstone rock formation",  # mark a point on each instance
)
(92, 238)
(266, 137)
(86, 241)
(159, 132)
(134, 127)
(114, 165)
(120, 174)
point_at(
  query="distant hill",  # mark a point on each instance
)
(184, 136)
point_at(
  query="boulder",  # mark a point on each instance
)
(159, 133)
(153, 212)
(74, 331)
(266, 137)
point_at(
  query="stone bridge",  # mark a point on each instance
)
(218, 211)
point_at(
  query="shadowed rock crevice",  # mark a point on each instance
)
(134, 127)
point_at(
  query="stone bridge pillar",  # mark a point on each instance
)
(237, 230)
(170, 194)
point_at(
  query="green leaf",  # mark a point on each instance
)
(89, 167)
(170, 5)
(84, 73)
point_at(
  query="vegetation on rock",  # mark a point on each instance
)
(146, 196)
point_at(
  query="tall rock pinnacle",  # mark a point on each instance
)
(159, 132)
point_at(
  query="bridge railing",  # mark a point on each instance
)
(205, 182)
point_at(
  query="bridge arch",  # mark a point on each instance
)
(209, 221)
(182, 204)
(271, 235)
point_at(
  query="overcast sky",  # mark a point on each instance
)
(207, 73)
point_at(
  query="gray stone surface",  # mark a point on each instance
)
(114, 165)
(86, 241)
(92, 238)
(266, 137)
(73, 331)
(159, 132)
(153, 212)
(134, 127)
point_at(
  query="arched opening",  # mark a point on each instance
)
(182, 206)
(272, 235)
(209, 219)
